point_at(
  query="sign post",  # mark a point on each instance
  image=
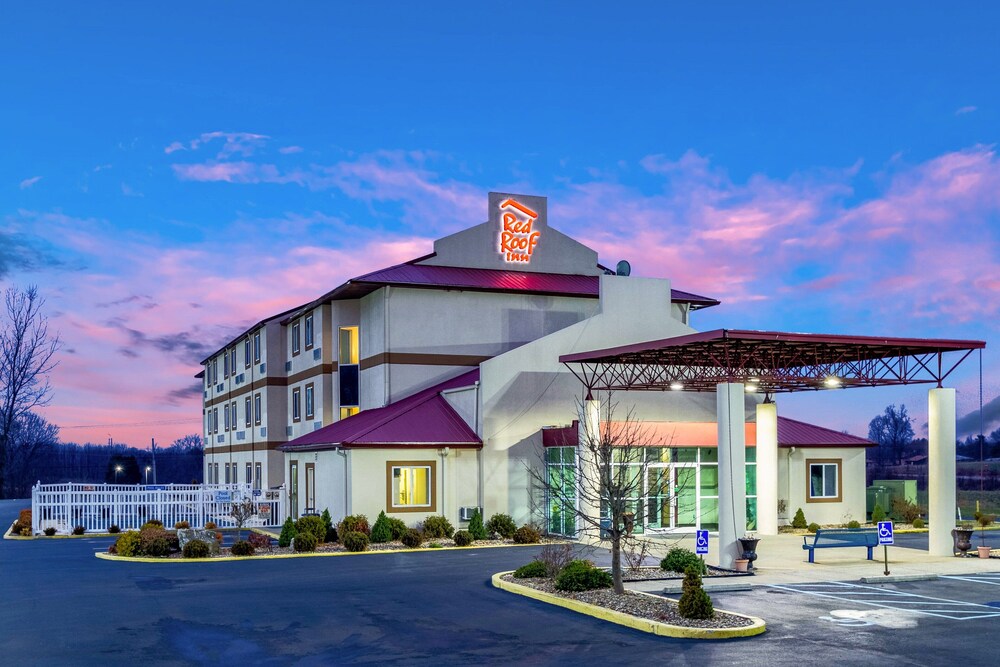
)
(885, 539)
(701, 544)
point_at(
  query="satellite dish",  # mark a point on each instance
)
(623, 268)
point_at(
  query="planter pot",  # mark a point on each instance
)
(984, 552)
(749, 547)
(963, 539)
(741, 564)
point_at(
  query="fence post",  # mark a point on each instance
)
(35, 490)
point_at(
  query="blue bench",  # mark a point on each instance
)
(830, 538)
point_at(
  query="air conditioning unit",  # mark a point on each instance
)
(288, 431)
(263, 431)
(317, 426)
(240, 435)
(465, 513)
(220, 438)
(220, 386)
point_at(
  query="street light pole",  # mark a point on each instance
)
(148, 468)
(118, 469)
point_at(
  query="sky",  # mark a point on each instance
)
(171, 174)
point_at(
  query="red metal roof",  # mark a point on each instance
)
(791, 433)
(424, 419)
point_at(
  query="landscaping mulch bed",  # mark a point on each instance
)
(634, 604)
(657, 574)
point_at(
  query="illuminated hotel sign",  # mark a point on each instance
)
(518, 239)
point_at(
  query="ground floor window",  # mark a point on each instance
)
(560, 504)
(410, 486)
(824, 480)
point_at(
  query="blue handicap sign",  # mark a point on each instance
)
(884, 532)
(701, 542)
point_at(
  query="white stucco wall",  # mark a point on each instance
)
(793, 480)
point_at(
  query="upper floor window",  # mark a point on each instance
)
(215, 370)
(256, 348)
(295, 338)
(246, 353)
(246, 411)
(256, 409)
(309, 331)
(310, 410)
(232, 360)
(348, 345)
(225, 364)
(296, 405)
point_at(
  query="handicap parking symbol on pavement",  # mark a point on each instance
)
(884, 532)
(701, 542)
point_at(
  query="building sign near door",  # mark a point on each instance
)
(518, 238)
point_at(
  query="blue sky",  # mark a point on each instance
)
(816, 168)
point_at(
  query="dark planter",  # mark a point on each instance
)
(749, 546)
(963, 539)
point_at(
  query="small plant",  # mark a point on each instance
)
(259, 541)
(354, 541)
(813, 527)
(242, 511)
(311, 524)
(288, 532)
(502, 525)
(354, 523)
(210, 525)
(878, 514)
(114, 529)
(50, 531)
(905, 511)
(694, 602)
(435, 545)
(438, 526)
(476, 527)
(918, 523)
(853, 524)
(532, 570)
(182, 525)
(581, 575)
(782, 507)
(304, 542)
(128, 544)
(23, 521)
(26, 532)
(679, 559)
(634, 551)
(555, 557)
(381, 531)
(527, 535)
(241, 548)
(799, 521)
(412, 538)
(197, 549)
(79, 530)
(331, 530)
(463, 538)
(984, 520)
(156, 542)
(397, 527)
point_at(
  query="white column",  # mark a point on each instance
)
(590, 431)
(731, 417)
(767, 468)
(941, 470)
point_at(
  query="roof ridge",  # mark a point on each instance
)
(823, 428)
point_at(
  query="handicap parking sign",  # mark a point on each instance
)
(884, 532)
(701, 542)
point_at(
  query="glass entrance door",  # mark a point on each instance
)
(671, 496)
(658, 501)
(686, 497)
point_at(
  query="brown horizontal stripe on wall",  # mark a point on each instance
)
(244, 447)
(271, 381)
(418, 359)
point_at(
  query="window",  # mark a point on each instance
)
(208, 376)
(560, 463)
(215, 370)
(348, 345)
(310, 487)
(296, 405)
(309, 402)
(256, 348)
(295, 338)
(227, 473)
(824, 480)
(257, 475)
(347, 412)
(233, 410)
(226, 410)
(215, 420)
(232, 365)
(225, 364)
(208, 422)
(293, 489)
(246, 411)
(348, 371)
(309, 331)
(246, 353)
(215, 476)
(410, 486)
(256, 409)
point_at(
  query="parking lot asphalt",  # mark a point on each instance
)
(63, 606)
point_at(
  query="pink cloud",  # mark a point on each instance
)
(28, 182)
(290, 150)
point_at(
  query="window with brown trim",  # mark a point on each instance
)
(310, 401)
(309, 331)
(256, 409)
(409, 486)
(226, 411)
(246, 353)
(256, 348)
(296, 343)
(232, 365)
(215, 420)
(225, 365)
(824, 480)
(246, 411)
(296, 405)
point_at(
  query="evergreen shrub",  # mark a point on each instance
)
(535, 568)
(463, 538)
(288, 532)
(381, 531)
(694, 602)
(527, 535)
(581, 575)
(799, 521)
(354, 541)
(305, 542)
(412, 538)
(438, 526)
(196, 549)
(502, 525)
(476, 527)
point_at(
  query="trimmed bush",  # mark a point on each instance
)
(463, 538)
(878, 514)
(905, 511)
(354, 523)
(152, 523)
(331, 530)
(23, 522)
(694, 602)
(182, 525)
(258, 541)
(412, 538)
(241, 548)
(813, 527)
(156, 542)
(50, 531)
(397, 527)
(305, 542)
(800, 519)
(534, 569)
(853, 524)
(679, 559)
(311, 524)
(197, 549)
(476, 527)
(527, 535)
(354, 541)
(918, 523)
(210, 525)
(79, 530)
(113, 529)
(502, 525)
(438, 526)
(581, 575)
(288, 532)
(381, 531)
(129, 544)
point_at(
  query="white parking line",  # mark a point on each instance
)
(989, 579)
(891, 599)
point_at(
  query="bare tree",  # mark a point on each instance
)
(242, 511)
(30, 437)
(27, 356)
(607, 489)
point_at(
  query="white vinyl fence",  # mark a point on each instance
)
(128, 506)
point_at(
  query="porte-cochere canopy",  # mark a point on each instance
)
(773, 361)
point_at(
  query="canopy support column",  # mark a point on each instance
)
(731, 417)
(941, 470)
(767, 468)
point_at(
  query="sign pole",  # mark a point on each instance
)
(885, 549)
(885, 538)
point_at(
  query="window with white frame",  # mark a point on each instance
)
(295, 338)
(310, 402)
(309, 331)
(256, 409)
(246, 353)
(246, 411)
(296, 404)
(410, 486)
(824, 480)
(256, 348)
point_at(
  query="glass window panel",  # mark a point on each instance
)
(569, 455)
(685, 454)
(830, 480)
(751, 514)
(348, 353)
(751, 454)
(709, 454)
(710, 513)
(751, 479)
(553, 455)
(709, 480)
(816, 481)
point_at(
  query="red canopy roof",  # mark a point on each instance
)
(422, 420)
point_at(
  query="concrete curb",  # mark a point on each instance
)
(641, 624)
(895, 578)
(720, 587)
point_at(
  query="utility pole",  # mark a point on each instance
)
(153, 448)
